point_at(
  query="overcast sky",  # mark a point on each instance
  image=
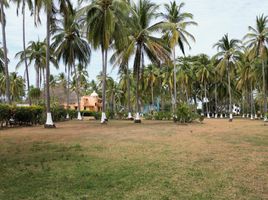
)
(214, 17)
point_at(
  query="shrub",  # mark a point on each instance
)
(97, 115)
(5, 114)
(72, 114)
(87, 113)
(58, 113)
(185, 114)
(28, 115)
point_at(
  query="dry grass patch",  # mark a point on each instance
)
(122, 160)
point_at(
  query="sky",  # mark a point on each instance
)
(214, 17)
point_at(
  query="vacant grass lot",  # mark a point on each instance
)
(122, 160)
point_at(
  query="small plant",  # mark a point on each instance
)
(185, 114)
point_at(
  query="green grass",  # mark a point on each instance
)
(164, 162)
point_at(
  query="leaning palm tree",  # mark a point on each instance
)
(177, 34)
(30, 6)
(144, 43)
(227, 55)
(102, 22)
(257, 40)
(49, 7)
(71, 46)
(3, 24)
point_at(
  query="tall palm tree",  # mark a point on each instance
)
(30, 6)
(151, 74)
(257, 40)
(227, 55)
(204, 72)
(3, 23)
(71, 46)
(50, 8)
(246, 71)
(143, 42)
(35, 54)
(102, 22)
(177, 33)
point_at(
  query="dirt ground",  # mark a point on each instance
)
(213, 160)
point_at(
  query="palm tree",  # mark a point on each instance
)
(102, 22)
(246, 71)
(204, 72)
(227, 55)
(30, 5)
(49, 8)
(36, 54)
(35, 94)
(3, 23)
(16, 85)
(143, 42)
(70, 46)
(177, 34)
(257, 40)
(2, 62)
(151, 74)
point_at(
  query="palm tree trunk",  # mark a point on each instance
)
(138, 62)
(77, 80)
(24, 49)
(5, 53)
(205, 86)
(230, 95)
(264, 91)
(216, 103)
(175, 80)
(152, 93)
(251, 102)
(49, 121)
(104, 68)
(68, 91)
(128, 94)
(37, 79)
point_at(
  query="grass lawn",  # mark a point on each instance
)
(153, 160)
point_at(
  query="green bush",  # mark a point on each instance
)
(72, 114)
(28, 115)
(5, 114)
(162, 115)
(58, 113)
(87, 113)
(97, 115)
(24, 115)
(185, 114)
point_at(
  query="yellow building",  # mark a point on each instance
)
(89, 103)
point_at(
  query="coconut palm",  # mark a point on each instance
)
(143, 42)
(35, 54)
(227, 55)
(49, 7)
(177, 33)
(257, 40)
(102, 21)
(204, 73)
(30, 6)
(70, 47)
(35, 94)
(4, 4)
(151, 74)
(16, 85)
